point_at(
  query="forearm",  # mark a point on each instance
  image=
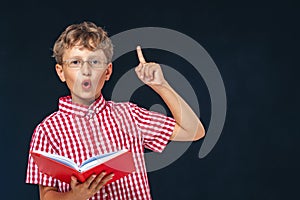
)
(52, 195)
(49, 193)
(187, 121)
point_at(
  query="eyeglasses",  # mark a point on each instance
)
(77, 63)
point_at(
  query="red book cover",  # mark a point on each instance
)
(120, 163)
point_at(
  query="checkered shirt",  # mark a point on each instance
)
(80, 132)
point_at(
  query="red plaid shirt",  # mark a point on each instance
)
(80, 132)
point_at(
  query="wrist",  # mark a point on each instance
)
(160, 87)
(72, 195)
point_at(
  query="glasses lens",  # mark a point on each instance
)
(96, 63)
(74, 63)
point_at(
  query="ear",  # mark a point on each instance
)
(60, 72)
(108, 71)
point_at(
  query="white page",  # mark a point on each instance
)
(60, 159)
(102, 158)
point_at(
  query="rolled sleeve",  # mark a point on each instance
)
(40, 142)
(155, 128)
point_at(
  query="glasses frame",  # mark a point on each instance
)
(67, 63)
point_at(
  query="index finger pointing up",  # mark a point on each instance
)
(140, 55)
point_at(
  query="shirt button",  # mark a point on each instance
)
(104, 195)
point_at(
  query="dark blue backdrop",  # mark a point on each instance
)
(255, 46)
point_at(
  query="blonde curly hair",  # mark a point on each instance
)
(85, 34)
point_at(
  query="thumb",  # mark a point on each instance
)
(138, 68)
(73, 181)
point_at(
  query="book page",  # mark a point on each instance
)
(96, 160)
(61, 159)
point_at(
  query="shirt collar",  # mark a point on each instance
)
(66, 105)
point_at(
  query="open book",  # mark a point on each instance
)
(120, 163)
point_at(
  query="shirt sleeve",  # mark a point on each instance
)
(39, 141)
(155, 128)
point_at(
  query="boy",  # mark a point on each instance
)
(86, 125)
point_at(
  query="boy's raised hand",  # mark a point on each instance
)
(149, 73)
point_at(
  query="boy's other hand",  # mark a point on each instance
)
(149, 73)
(90, 187)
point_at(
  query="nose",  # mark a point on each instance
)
(86, 69)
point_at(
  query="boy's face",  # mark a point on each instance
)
(85, 83)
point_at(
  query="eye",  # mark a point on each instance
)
(75, 62)
(95, 62)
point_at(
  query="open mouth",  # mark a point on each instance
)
(86, 84)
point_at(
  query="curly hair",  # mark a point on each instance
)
(85, 34)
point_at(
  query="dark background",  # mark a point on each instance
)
(255, 46)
